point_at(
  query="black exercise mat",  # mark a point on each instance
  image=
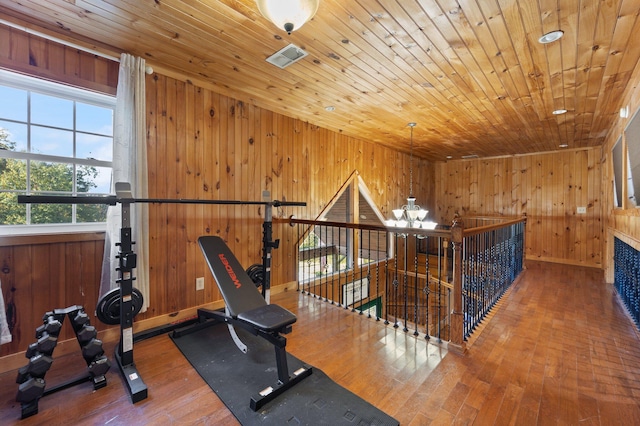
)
(235, 376)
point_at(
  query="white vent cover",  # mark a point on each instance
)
(287, 56)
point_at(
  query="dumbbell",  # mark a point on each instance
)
(30, 390)
(99, 366)
(92, 349)
(80, 320)
(86, 333)
(51, 325)
(45, 344)
(38, 366)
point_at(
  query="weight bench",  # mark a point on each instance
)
(245, 307)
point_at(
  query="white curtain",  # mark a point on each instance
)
(129, 165)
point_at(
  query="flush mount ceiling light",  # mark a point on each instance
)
(559, 111)
(288, 15)
(551, 37)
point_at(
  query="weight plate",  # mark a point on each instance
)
(108, 308)
(256, 273)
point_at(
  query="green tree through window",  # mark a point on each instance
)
(46, 177)
(54, 140)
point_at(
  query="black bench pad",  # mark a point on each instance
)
(238, 290)
(268, 317)
(244, 302)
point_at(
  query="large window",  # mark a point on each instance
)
(54, 140)
(330, 250)
(632, 136)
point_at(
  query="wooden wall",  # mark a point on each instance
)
(622, 222)
(204, 145)
(35, 56)
(41, 273)
(548, 188)
(200, 145)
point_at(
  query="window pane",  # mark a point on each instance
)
(46, 176)
(632, 132)
(13, 136)
(12, 213)
(53, 131)
(51, 111)
(96, 147)
(13, 174)
(616, 156)
(94, 180)
(94, 119)
(91, 213)
(14, 104)
(51, 141)
(51, 213)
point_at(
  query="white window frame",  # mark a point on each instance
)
(32, 84)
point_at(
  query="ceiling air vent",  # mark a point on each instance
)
(287, 56)
(470, 156)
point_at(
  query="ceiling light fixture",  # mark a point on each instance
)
(410, 215)
(624, 112)
(288, 15)
(551, 37)
(559, 111)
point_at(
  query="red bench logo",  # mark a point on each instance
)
(229, 269)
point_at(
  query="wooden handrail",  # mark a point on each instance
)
(468, 232)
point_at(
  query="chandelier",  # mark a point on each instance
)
(288, 15)
(411, 215)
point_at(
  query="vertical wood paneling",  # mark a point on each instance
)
(33, 55)
(48, 276)
(242, 150)
(548, 188)
(205, 145)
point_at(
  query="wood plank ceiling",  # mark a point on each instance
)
(471, 73)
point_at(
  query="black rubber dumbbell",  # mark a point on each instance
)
(92, 349)
(99, 366)
(38, 366)
(86, 333)
(80, 320)
(51, 326)
(45, 344)
(30, 390)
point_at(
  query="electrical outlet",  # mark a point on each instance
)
(200, 283)
(582, 210)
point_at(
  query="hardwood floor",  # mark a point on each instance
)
(558, 349)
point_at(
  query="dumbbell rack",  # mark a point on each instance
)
(31, 377)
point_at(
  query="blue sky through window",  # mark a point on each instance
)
(52, 128)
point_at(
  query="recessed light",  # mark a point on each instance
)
(624, 112)
(559, 111)
(449, 157)
(564, 145)
(551, 37)
(330, 108)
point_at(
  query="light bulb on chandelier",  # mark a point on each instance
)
(411, 215)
